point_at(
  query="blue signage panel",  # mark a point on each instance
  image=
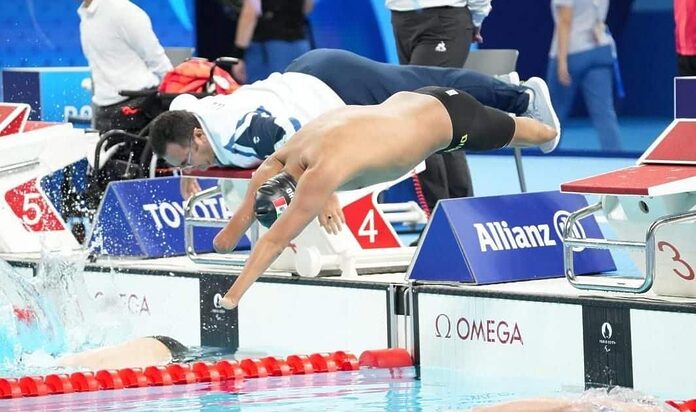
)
(146, 218)
(685, 98)
(54, 94)
(504, 238)
(63, 94)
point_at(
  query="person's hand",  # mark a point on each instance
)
(563, 74)
(478, 38)
(331, 216)
(239, 72)
(222, 243)
(189, 186)
(228, 301)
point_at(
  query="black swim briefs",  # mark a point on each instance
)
(177, 349)
(475, 126)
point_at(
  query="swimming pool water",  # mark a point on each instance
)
(365, 390)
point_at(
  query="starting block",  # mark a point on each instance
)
(368, 242)
(33, 151)
(652, 208)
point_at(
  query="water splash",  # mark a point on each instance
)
(87, 322)
(28, 323)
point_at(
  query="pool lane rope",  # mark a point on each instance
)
(200, 372)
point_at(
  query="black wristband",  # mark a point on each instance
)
(237, 52)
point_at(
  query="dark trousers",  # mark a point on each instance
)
(131, 115)
(686, 65)
(361, 81)
(438, 36)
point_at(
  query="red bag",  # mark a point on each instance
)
(193, 76)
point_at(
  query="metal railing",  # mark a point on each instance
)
(14, 167)
(615, 283)
(192, 221)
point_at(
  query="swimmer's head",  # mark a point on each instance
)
(273, 197)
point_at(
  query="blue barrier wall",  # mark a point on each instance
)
(36, 33)
(45, 33)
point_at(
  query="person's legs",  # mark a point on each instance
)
(445, 38)
(482, 128)
(561, 96)
(359, 80)
(444, 41)
(599, 98)
(256, 62)
(405, 31)
(281, 53)
(456, 166)
(686, 65)
(433, 180)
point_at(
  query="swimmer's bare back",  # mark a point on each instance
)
(365, 145)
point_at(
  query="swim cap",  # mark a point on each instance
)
(273, 197)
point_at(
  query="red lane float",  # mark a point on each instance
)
(253, 368)
(386, 358)
(229, 370)
(300, 364)
(9, 388)
(181, 374)
(276, 366)
(346, 361)
(323, 362)
(84, 382)
(133, 377)
(33, 386)
(220, 371)
(158, 376)
(206, 372)
(109, 379)
(685, 406)
(58, 383)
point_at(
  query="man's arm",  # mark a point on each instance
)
(479, 11)
(246, 24)
(563, 26)
(313, 190)
(243, 217)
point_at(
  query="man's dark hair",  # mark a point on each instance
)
(174, 126)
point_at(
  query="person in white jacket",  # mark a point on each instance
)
(123, 53)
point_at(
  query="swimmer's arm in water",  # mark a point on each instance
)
(226, 240)
(313, 191)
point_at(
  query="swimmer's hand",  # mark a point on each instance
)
(222, 243)
(189, 186)
(228, 302)
(331, 217)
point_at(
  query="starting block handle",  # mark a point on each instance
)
(191, 221)
(18, 166)
(615, 283)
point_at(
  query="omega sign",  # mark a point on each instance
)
(487, 331)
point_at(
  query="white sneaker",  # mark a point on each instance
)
(541, 109)
(511, 78)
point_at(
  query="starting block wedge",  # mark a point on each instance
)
(368, 242)
(34, 151)
(652, 208)
(13, 118)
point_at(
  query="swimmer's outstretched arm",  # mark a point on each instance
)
(313, 190)
(226, 240)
